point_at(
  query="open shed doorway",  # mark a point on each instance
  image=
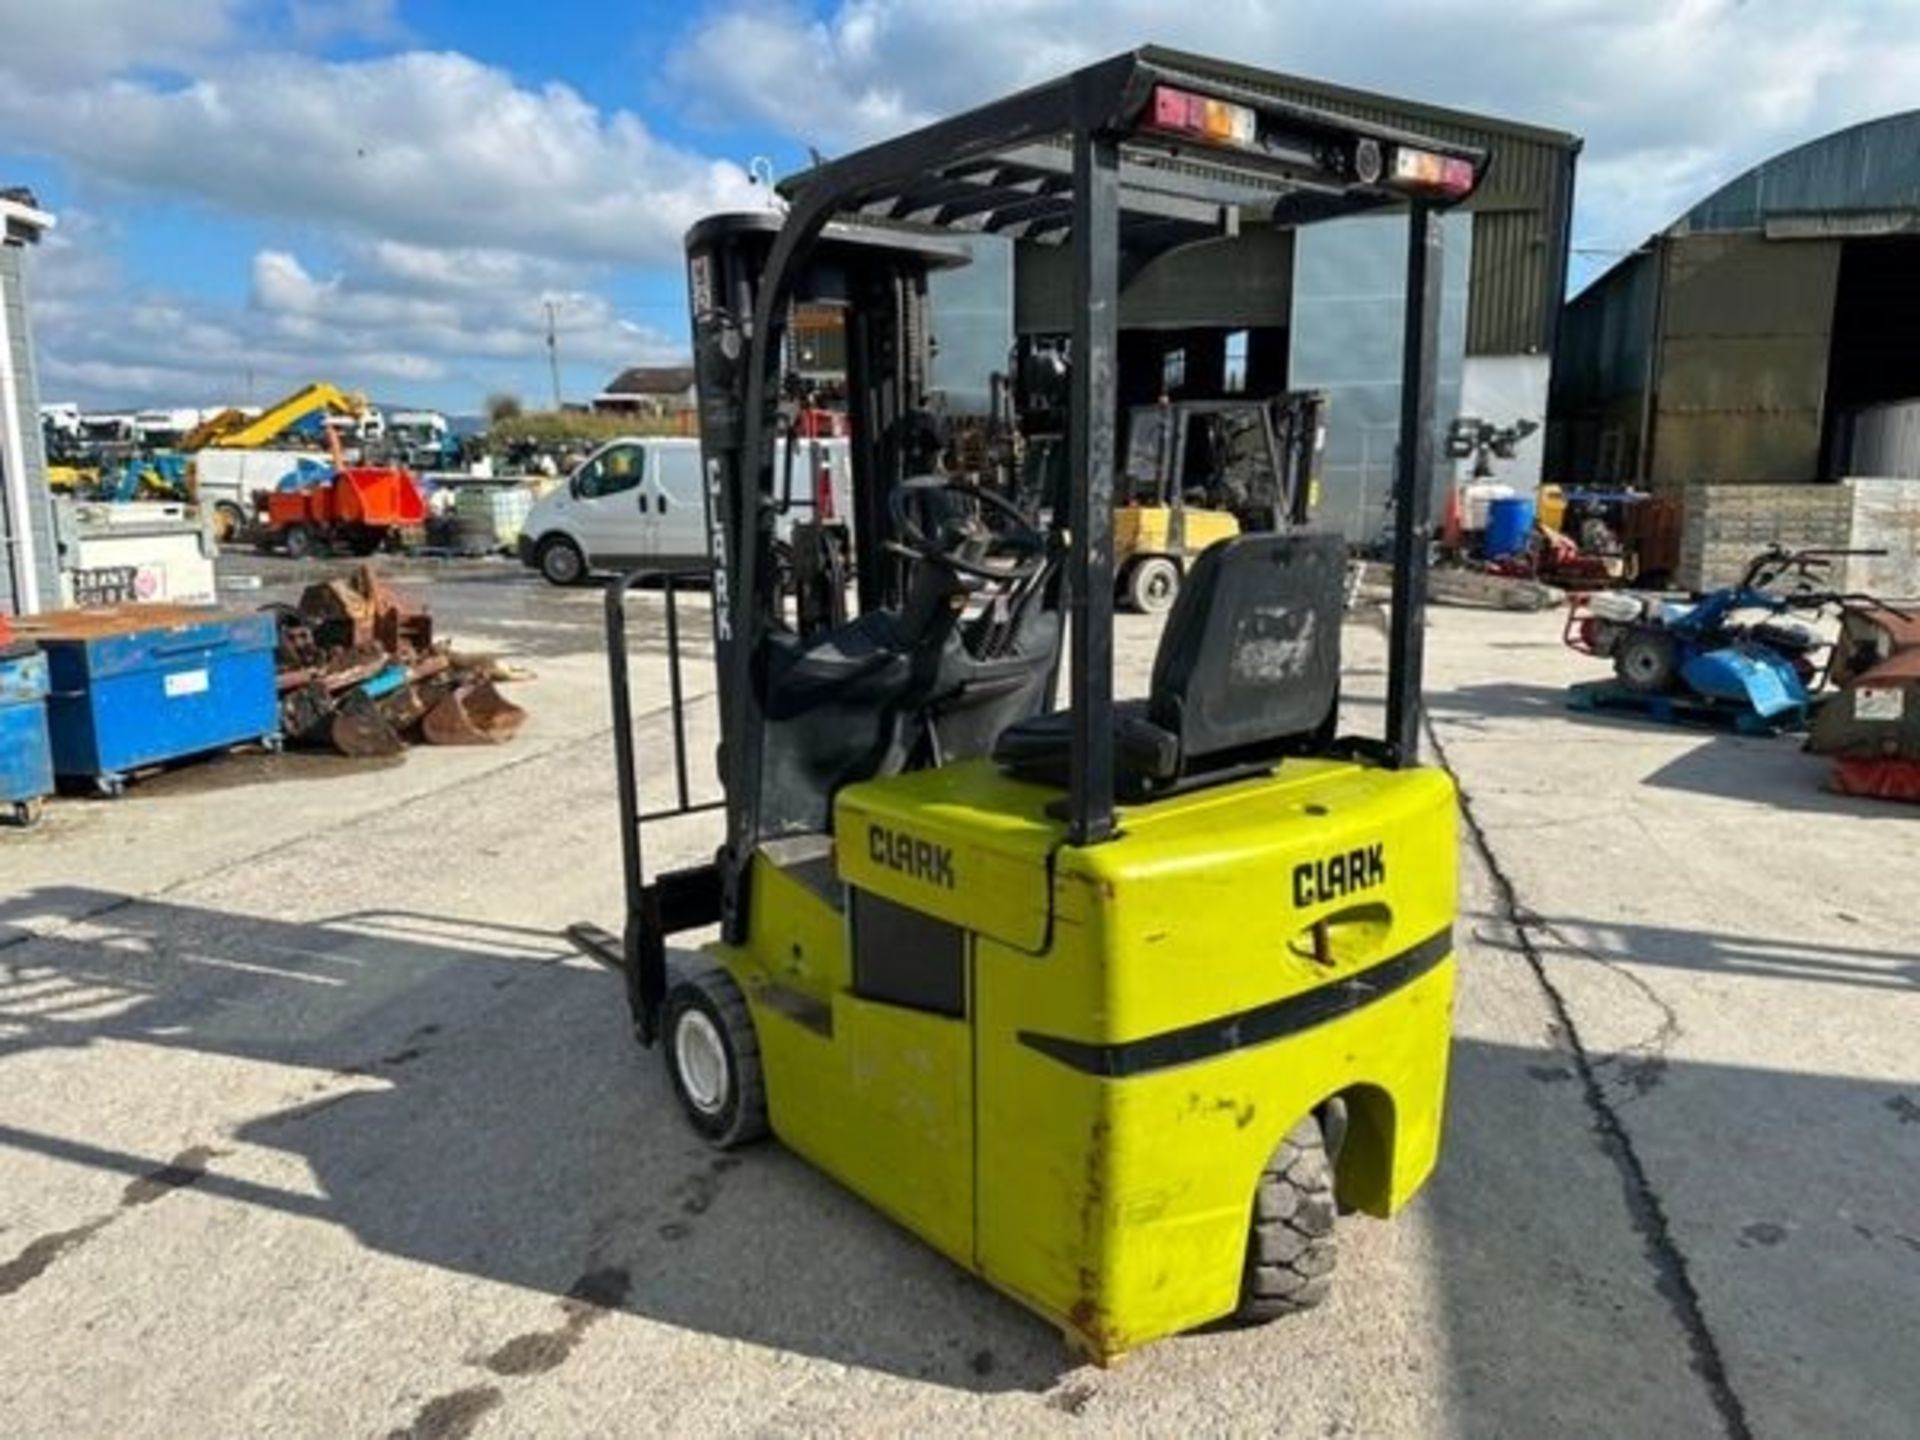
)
(1875, 354)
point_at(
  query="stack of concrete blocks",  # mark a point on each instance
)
(1886, 516)
(1727, 525)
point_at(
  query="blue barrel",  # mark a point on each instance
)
(1509, 523)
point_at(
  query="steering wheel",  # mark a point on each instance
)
(966, 544)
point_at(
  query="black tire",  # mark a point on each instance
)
(1152, 583)
(1291, 1249)
(299, 541)
(560, 561)
(229, 523)
(1646, 661)
(713, 1059)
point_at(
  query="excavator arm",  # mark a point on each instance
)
(233, 430)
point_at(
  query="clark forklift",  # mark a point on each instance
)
(1115, 1004)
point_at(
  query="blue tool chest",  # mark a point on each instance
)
(26, 762)
(139, 685)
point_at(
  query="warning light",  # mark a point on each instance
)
(1219, 122)
(1426, 173)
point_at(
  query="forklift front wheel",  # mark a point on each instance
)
(1151, 585)
(713, 1059)
(1291, 1249)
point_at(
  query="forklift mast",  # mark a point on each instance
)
(879, 278)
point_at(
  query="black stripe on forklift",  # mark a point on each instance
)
(1249, 1027)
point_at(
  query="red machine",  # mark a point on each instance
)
(358, 507)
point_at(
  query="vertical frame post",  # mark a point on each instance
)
(1096, 270)
(1413, 486)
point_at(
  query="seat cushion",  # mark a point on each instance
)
(1145, 755)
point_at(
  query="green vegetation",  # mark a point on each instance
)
(549, 430)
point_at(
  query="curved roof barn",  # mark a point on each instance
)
(1741, 342)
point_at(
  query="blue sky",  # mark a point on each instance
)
(387, 193)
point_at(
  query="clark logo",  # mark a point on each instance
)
(921, 859)
(1317, 881)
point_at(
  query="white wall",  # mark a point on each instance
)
(1502, 389)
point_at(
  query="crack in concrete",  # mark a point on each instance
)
(1642, 1063)
(1673, 1278)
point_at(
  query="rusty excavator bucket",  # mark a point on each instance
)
(472, 714)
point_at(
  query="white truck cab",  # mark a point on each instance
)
(637, 501)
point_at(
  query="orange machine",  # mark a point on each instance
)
(356, 506)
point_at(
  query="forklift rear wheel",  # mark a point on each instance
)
(713, 1059)
(1646, 662)
(1291, 1248)
(1152, 584)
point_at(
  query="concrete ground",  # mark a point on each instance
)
(311, 1125)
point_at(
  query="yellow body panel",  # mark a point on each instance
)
(1147, 530)
(995, 829)
(1148, 1018)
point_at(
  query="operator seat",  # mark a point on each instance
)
(1248, 671)
(890, 690)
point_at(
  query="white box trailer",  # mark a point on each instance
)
(224, 482)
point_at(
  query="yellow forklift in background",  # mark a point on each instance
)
(1111, 1004)
(1200, 471)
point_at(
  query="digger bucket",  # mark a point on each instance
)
(472, 714)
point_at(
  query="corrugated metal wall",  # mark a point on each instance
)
(1601, 365)
(1863, 169)
(1514, 296)
(1746, 326)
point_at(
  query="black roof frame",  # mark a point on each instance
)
(1065, 162)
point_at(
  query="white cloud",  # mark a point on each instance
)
(454, 204)
(428, 148)
(1673, 96)
(367, 326)
(60, 41)
(316, 21)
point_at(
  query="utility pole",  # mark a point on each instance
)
(553, 356)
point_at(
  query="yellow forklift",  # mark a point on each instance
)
(1201, 471)
(1115, 1004)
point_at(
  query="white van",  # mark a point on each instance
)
(637, 501)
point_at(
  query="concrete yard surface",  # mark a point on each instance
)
(311, 1123)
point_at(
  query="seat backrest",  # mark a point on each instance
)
(1250, 657)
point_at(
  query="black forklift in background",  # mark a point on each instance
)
(1113, 1004)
